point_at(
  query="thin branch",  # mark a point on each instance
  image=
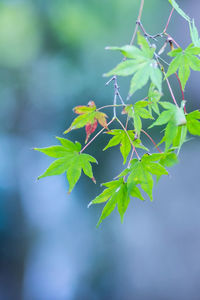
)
(170, 89)
(109, 81)
(169, 19)
(128, 137)
(170, 39)
(151, 140)
(167, 80)
(111, 105)
(127, 119)
(183, 97)
(96, 136)
(120, 97)
(114, 105)
(131, 157)
(149, 35)
(138, 20)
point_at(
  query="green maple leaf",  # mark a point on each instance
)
(173, 116)
(168, 159)
(141, 172)
(193, 125)
(137, 112)
(140, 64)
(115, 194)
(180, 137)
(179, 10)
(183, 61)
(153, 98)
(69, 160)
(194, 34)
(120, 137)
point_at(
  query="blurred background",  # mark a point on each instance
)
(52, 58)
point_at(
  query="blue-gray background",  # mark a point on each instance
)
(52, 58)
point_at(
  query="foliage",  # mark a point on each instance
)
(145, 65)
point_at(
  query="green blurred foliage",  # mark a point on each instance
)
(20, 35)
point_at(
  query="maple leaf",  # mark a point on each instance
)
(194, 34)
(178, 137)
(137, 112)
(120, 137)
(140, 64)
(115, 194)
(141, 173)
(153, 98)
(179, 10)
(183, 61)
(193, 125)
(69, 160)
(89, 118)
(174, 117)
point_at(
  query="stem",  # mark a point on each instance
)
(169, 86)
(171, 92)
(138, 20)
(172, 40)
(109, 81)
(182, 92)
(168, 20)
(96, 136)
(111, 105)
(127, 119)
(120, 97)
(151, 140)
(183, 98)
(114, 105)
(128, 137)
(131, 157)
(146, 34)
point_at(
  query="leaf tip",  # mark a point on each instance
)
(94, 180)
(67, 130)
(98, 224)
(90, 204)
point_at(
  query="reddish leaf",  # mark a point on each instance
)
(101, 117)
(89, 117)
(90, 128)
(83, 109)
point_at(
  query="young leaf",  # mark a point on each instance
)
(173, 117)
(153, 98)
(194, 34)
(140, 64)
(116, 193)
(180, 138)
(183, 61)
(120, 137)
(179, 10)
(136, 112)
(68, 160)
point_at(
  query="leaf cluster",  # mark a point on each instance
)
(144, 65)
